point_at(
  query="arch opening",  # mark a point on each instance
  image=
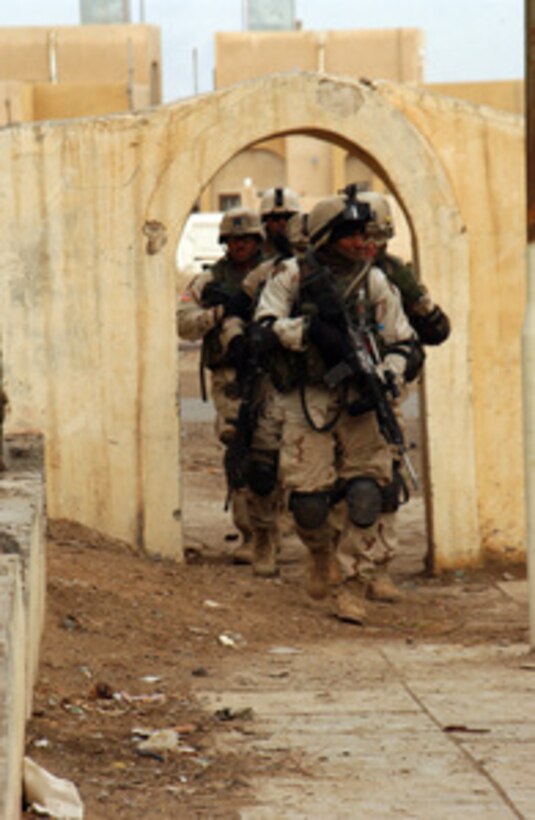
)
(344, 159)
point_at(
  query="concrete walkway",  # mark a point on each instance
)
(372, 729)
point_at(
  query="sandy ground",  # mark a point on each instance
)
(128, 638)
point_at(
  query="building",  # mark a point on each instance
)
(72, 71)
(315, 168)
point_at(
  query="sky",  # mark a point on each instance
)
(465, 40)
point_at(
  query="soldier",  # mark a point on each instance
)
(334, 459)
(277, 206)
(427, 318)
(211, 297)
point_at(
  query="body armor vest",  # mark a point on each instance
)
(309, 367)
(402, 276)
(229, 278)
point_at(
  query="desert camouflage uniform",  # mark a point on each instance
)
(196, 322)
(316, 462)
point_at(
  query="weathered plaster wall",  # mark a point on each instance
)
(90, 354)
(90, 349)
(482, 152)
(22, 608)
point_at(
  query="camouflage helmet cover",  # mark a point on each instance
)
(381, 224)
(297, 230)
(279, 201)
(240, 222)
(332, 212)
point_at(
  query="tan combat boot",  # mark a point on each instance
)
(381, 587)
(349, 603)
(264, 554)
(319, 566)
(335, 571)
(243, 554)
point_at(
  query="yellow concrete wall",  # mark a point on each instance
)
(16, 102)
(27, 102)
(482, 151)
(387, 54)
(309, 171)
(390, 54)
(507, 95)
(89, 326)
(84, 54)
(88, 307)
(269, 170)
(76, 71)
(243, 56)
(59, 102)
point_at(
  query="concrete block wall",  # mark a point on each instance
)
(22, 606)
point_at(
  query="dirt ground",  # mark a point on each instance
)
(127, 637)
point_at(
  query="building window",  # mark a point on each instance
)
(228, 201)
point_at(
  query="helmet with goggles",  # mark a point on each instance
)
(381, 225)
(337, 216)
(281, 202)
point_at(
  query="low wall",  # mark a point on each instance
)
(22, 605)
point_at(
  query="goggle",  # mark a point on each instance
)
(277, 216)
(355, 215)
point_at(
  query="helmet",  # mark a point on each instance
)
(297, 231)
(381, 224)
(279, 201)
(335, 213)
(240, 222)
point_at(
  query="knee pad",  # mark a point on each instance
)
(262, 477)
(310, 510)
(364, 501)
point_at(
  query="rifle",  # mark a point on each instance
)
(362, 362)
(215, 293)
(379, 389)
(237, 452)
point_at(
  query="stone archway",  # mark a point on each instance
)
(95, 216)
(356, 116)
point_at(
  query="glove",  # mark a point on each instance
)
(262, 337)
(237, 355)
(239, 304)
(332, 343)
(214, 294)
(432, 328)
(392, 382)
